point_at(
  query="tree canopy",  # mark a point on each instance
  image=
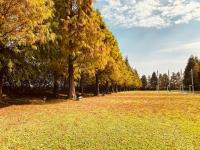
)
(22, 24)
(193, 66)
(64, 43)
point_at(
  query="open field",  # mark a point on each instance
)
(132, 120)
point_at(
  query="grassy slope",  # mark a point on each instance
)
(137, 120)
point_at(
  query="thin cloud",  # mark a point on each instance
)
(150, 13)
(192, 47)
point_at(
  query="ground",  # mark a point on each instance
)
(131, 120)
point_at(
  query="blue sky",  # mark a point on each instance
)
(154, 34)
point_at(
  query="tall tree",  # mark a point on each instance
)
(74, 17)
(192, 65)
(196, 75)
(164, 81)
(175, 81)
(22, 23)
(154, 81)
(144, 82)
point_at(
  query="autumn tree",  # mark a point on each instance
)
(111, 73)
(51, 62)
(22, 23)
(102, 49)
(130, 78)
(73, 18)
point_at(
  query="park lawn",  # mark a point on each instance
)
(131, 120)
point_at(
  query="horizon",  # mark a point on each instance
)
(162, 37)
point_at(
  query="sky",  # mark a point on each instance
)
(154, 34)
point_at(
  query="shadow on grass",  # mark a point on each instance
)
(36, 99)
(27, 100)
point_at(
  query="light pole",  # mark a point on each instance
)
(181, 82)
(158, 82)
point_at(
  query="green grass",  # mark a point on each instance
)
(132, 120)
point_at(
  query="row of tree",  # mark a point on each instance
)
(164, 81)
(58, 43)
(175, 81)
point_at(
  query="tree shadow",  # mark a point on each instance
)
(36, 99)
(29, 100)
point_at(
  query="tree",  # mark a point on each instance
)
(192, 65)
(175, 81)
(22, 23)
(75, 23)
(132, 78)
(102, 50)
(51, 62)
(164, 81)
(144, 82)
(59, 40)
(154, 81)
(196, 75)
(110, 75)
(149, 82)
(94, 56)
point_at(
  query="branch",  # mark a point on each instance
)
(15, 28)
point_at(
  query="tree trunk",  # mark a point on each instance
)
(1, 83)
(113, 90)
(97, 91)
(81, 84)
(71, 90)
(65, 83)
(1, 87)
(56, 86)
(116, 88)
(107, 87)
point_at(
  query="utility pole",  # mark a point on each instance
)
(158, 82)
(181, 82)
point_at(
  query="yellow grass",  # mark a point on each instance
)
(131, 120)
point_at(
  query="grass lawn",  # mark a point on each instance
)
(132, 120)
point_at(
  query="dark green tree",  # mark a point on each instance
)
(144, 82)
(175, 81)
(193, 64)
(154, 81)
(164, 81)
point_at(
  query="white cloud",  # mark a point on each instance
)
(150, 13)
(192, 47)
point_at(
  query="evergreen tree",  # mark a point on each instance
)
(154, 81)
(175, 81)
(149, 82)
(164, 81)
(144, 82)
(192, 65)
(196, 75)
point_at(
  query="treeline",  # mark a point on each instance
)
(175, 81)
(60, 45)
(165, 81)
